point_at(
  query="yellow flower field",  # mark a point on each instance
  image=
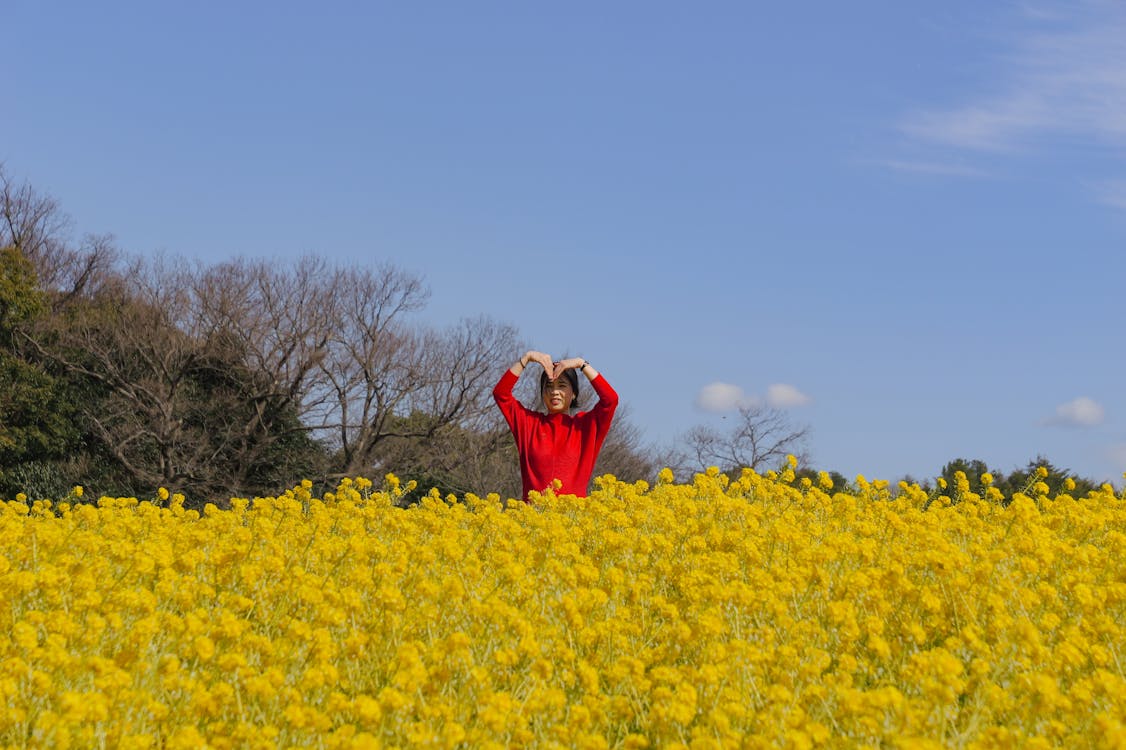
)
(751, 611)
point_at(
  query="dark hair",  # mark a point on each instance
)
(572, 377)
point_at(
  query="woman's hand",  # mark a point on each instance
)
(543, 359)
(567, 364)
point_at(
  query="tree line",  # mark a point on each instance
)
(979, 476)
(239, 378)
(242, 377)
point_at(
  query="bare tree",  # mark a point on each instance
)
(278, 321)
(370, 365)
(128, 344)
(36, 226)
(437, 386)
(454, 436)
(32, 223)
(338, 345)
(454, 459)
(460, 364)
(168, 395)
(202, 376)
(624, 453)
(760, 437)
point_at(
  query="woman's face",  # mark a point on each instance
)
(558, 395)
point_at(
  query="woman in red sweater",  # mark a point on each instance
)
(557, 445)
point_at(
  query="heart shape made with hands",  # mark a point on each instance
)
(558, 369)
(555, 369)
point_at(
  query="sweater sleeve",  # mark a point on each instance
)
(603, 411)
(502, 394)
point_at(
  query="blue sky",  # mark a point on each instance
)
(902, 222)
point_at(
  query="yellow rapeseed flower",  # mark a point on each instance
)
(726, 611)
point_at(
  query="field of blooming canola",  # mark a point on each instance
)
(752, 611)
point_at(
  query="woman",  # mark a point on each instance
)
(557, 445)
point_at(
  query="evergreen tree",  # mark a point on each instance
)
(972, 468)
(35, 423)
(1024, 479)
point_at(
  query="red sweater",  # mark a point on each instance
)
(557, 446)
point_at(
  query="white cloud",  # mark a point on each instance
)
(721, 397)
(1062, 75)
(783, 396)
(1080, 412)
(994, 126)
(942, 169)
